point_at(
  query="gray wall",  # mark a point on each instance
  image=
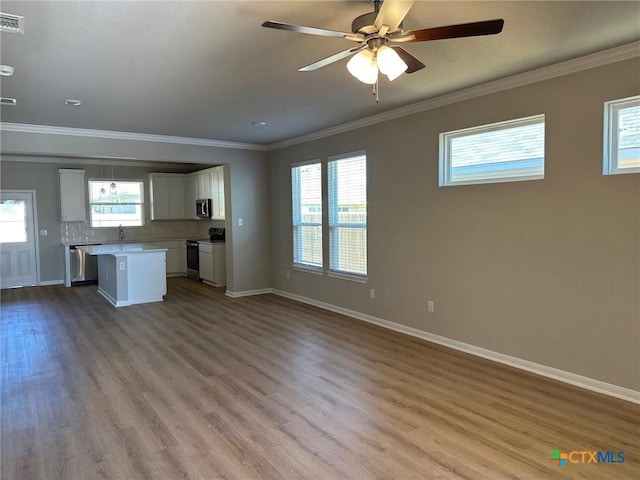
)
(248, 265)
(546, 271)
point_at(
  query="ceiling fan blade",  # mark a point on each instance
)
(333, 58)
(488, 27)
(412, 62)
(391, 13)
(313, 30)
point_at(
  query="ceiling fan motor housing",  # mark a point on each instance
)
(364, 24)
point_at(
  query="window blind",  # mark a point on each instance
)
(347, 189)
(306, 193)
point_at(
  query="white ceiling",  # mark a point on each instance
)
(207, 69)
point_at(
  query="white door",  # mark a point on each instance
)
(17, 240)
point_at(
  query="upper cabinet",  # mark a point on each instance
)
(191, 195)
(167, 194)
(216, 176)
(173, 195)
(72, 195)
(204, 184)
(207, 183)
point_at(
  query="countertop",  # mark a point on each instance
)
(121, 242)
(120, 248)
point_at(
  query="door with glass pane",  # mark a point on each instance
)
(17, 240)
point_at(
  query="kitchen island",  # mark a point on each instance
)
(130, 273)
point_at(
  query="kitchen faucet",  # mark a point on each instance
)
(120, 233)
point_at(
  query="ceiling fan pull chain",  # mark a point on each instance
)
(375, 91)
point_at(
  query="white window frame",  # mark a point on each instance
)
(332, 208)
(141, 204)
(610, 165)
(445, 164)
(296, 221)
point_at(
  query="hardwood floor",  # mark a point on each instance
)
(202, 386)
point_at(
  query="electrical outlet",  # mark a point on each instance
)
(240, 222)
(122, 266)
(372, 293)
(431, 306)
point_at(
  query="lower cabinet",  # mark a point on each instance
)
(213, 263)
(175, 261)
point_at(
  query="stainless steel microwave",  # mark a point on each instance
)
(203, 208)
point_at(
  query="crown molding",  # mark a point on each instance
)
(605, 57)
(141, 137)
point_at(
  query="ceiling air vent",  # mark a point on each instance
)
(11, 23)
(7, 102)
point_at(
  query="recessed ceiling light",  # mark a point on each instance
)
(6, 70)
(72, 101)
(258, 123)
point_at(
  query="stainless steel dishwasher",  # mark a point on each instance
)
(84, 267)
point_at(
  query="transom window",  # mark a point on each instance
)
(622, 136)
(115, 203)
(501, 152)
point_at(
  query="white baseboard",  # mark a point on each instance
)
(247, 293)
(112, 300)
(539, 369)
(50, 282)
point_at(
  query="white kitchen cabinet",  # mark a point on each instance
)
(72, 195)
(182, 257)
(213, 263)
(166, 191)
(191, 195)
(216, 177)
(204, 184)
(173, 261)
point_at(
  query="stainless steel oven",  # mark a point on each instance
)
(193, 260)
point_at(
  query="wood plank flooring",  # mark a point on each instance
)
(202, 386)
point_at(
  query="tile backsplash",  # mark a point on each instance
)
(82, 232)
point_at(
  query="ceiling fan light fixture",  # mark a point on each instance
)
(390, 62)
(364, 67)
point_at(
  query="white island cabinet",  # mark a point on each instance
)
(130, 273)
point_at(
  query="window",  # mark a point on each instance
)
(347, 178)
(622, 136)
(116, 203)
(13, 221)
(500, 152)
(306, 198)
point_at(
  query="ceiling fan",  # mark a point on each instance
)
(376, 32)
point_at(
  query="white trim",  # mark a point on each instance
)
(307, 162)
(581, 381)
(610, 160)
(96, 160)
(112, 300)
(348, 276)
(301, 267)
(140, 137)
(606, 57)
(51, 282)
(36, 229)
(248, 293)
